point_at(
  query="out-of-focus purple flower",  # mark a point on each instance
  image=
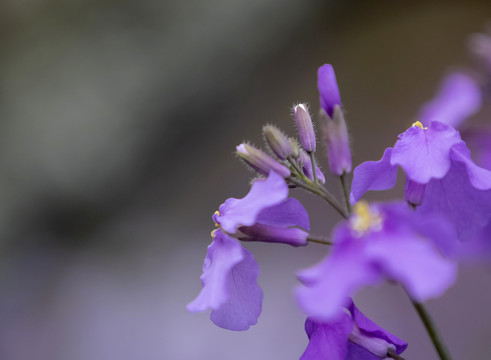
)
(337, 141)
(260, 161)
(306, 162)
(440, 173)
(352, 336)
(328, 89)
(265, 214)
(305, 127)
(229, 271)
(332, 121)
(380, 242)
(479, 142)
(458, 98)
(277, 141)
(230, 286)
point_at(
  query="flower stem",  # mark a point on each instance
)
(320, 191)
(314, 166)
(431, 328)
(318, 240)
(346, 191)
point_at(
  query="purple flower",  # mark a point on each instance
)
(441, 177)
(380, 242)
(458, 98)
(352, 336)
(229, 271)
(328, 89)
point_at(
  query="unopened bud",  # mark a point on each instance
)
(305, 127)
(337, 141)
(328, 89)
(414, 192)
(306, 164)
(277, 141)
(295, 148)
(273, 234)
(260, 161)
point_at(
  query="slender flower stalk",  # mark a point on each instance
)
(432, 330)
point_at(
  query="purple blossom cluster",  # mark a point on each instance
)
(417, 242)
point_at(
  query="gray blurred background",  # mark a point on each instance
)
(118, 123)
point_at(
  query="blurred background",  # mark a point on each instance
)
(118, 124)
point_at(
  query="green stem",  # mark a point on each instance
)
(346, 192)
(318, 240)
(314, 166)
(320, 191)
(431, 328)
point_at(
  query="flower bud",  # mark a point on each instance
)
(305, 127)
(277, 141)
(328, 89)
(337, 141)
(260, 161)
(414, 192)
(306, 164)
(295, 148)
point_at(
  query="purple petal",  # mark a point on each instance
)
(328, 88)
(414, 262)
(328, 341)
(461, 196)
(229, 285)
(263, 194)
(357, 352)
(458, 98)
(371, 329)
(272, 234)
(286, 214)
(373, 175)
(329, 284)
(479, 141)
(424, 154)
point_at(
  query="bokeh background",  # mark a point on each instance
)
(118, 123)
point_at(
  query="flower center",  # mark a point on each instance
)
(365, 219)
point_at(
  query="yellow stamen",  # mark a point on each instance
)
(213, 233)
(365, 219)
(217, 213)
(418, 124)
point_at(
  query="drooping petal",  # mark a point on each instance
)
(424, 153)
(329, 284)
(458, 98)
(286, 214)
(229, 285)
(371, 329)
(373, 175)
(461, 196)
(243, 212)
(328, 341)
(415, 263)
(273, 234)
